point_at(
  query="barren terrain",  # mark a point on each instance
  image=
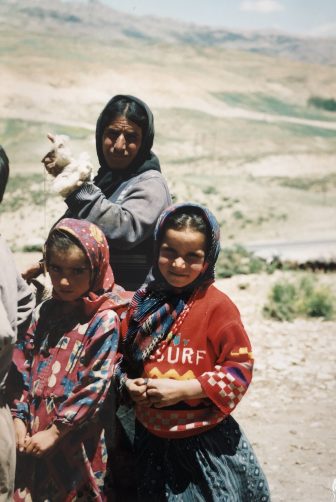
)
(235, 131)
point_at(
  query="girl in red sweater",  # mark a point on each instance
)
(187, 362)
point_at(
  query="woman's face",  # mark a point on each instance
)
(181, 256)
(70, 273)
(121, 142)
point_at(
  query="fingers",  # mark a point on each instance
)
(31, 446)
(51, 137)
(20, 442)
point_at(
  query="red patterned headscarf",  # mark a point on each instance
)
(103, 293)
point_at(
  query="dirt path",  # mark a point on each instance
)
(289, 411)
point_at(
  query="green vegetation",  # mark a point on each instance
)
(237, 260)
(321, 184)
(23, 191)
(323, 103)
(265, 103)
(303, 298)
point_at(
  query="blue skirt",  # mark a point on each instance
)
(215, 466)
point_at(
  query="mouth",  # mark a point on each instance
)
(178, 275)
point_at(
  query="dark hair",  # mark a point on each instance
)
(188, 219)
(192, 220)
(60, 241)
(127, 108)
(4, 172)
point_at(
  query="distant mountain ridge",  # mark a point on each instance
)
(100, 22)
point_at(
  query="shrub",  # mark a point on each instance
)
(288, 300)
(238, 260)
(328, 104)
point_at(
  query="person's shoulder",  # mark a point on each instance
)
(4, 248)
(151, 174)
(218, 299)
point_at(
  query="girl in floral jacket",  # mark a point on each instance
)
(67, 362)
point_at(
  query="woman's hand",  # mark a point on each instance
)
(20, 431)
(32, 272)
(167, 392)
(41, 442)
(137, 390)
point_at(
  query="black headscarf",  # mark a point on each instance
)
(108, 180)
(4, 172)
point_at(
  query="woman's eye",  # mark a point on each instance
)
(54, 268)
(112, 134)
(131, 138)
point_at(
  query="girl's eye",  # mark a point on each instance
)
(194, 259)
(166, 252)
(78, 271)
(54, 268)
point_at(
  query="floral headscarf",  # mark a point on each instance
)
(103, 293)
(155, 308)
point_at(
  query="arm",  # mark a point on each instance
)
(7, 341)
(162, 392)
(26, 305)
(21, 368)
(130, 222)
(232, 373)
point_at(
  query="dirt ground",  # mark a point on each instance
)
(288, 412)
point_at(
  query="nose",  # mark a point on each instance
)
(64, 281)
(120, 143)
(179, 262)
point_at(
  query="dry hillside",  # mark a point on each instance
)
(234, 130)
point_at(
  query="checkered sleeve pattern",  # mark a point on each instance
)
(227, 384)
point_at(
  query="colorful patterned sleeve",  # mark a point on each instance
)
(121, 366)
(95, 372)
(22, 359)
(232, 373)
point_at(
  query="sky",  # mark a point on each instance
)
(301, 17)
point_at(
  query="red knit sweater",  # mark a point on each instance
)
(211, 345)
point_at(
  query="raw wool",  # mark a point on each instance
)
(69, 173)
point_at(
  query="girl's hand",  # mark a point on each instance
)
(137, 390)
(167, 392)
(20, 430)
(41, 442)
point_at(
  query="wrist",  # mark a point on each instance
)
(58, 430)
(192, 389)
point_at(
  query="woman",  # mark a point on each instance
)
(129, 192)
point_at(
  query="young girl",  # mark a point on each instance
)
(187, 362)
(67, 361)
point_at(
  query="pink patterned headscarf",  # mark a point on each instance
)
(103, 293)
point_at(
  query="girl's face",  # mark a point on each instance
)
(181, 256)
(121, 143)
(69, 273)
